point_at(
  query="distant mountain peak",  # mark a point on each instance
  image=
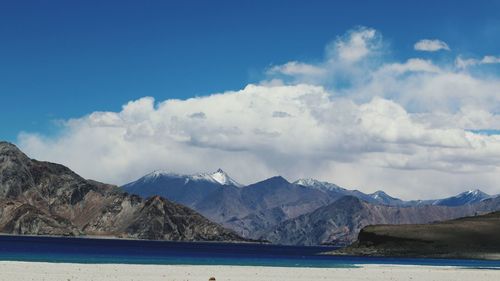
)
(380, 193)
(464, 198)
(160, 173)
(278, 178)
(317, 184)
(475, 192)
(217, 177)
(307, 182)
(275, 180)
(384, 198)
(223, 178)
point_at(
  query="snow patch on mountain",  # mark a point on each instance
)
(218, 177)
(320, 185)
(223, 178)
(464, 198)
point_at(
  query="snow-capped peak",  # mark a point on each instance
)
(384, 198)
(379, 194)
(467, 197)
(474, 192)
(307, 182)
(160, 173)
(218, 177)
(321, 185)
(223, 178)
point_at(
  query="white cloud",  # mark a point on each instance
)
(412, 65)
(347, 60)
(428, 45)
(296, 68)
(355, 45)
(464, 63)
(354, 118)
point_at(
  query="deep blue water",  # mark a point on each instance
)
(86, 250)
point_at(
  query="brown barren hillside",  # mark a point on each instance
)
(42, 198)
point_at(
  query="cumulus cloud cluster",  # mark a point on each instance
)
(354, 118)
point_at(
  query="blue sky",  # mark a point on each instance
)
(65, 59)
(402, 96)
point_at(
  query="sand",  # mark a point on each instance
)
(14, 271)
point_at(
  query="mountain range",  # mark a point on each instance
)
(42, 198)
(305, 212)
(249, 210)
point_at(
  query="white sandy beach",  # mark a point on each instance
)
(17, 271)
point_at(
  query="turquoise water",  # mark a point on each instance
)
(85, 250)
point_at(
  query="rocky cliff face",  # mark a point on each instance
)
(49, 199)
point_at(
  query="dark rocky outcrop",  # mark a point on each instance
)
(469, 237)
(44, 198)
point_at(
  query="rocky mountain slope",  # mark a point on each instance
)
(249, 210)
(44, 198)
(340, 222)
(470, 237)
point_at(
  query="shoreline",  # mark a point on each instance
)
(20, 271)
(111, 237)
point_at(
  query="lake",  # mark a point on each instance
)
(92, 250)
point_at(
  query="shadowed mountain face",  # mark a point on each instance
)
(49, 199)
(340, 222)
(470, 237)
(249, 210)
